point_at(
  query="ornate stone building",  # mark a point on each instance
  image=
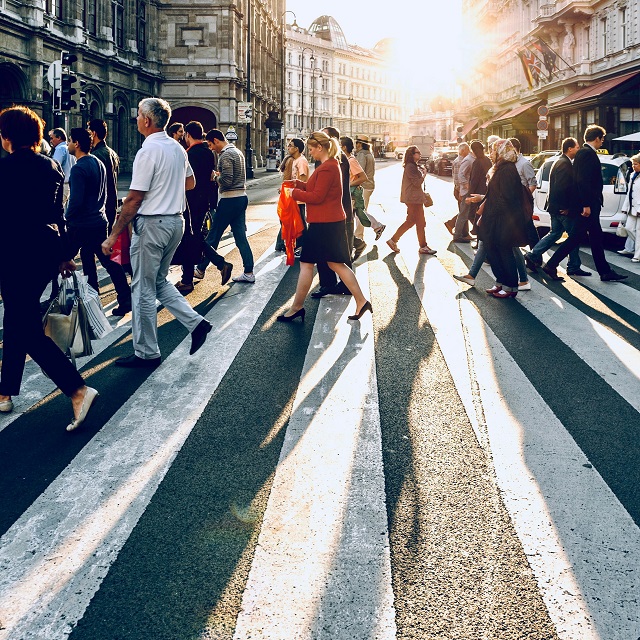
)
(343, 85)
(584, 60)
(193, 54)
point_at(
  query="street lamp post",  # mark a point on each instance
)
(283, 68)
(351, 117)
(302, 92)
(248, 151)
(313, 96)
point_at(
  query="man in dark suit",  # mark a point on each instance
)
(588, 181)
(563, 209)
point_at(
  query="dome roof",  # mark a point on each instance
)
(328, 29)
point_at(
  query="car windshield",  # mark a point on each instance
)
(451, 155)
(609, 174)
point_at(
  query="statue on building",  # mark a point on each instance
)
(568, 44)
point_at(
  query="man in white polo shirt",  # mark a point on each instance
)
(156, 200)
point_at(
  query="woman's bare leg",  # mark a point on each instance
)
(302, 289)
(349, 278)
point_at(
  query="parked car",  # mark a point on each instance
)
(443, 161)
(538, 159)
(616, 170)
(399, 152)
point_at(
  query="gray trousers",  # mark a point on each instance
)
(359, 232)
(155, 240)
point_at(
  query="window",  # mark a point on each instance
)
(573, 125)
(288, 99)
(629, 121)
(622, 21)
(117, 18)
(603, 36)
(586, 46)
(54, 8)
(325, 84)
(141, 27)
(89, 16)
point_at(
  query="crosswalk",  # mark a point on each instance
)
(451, 467)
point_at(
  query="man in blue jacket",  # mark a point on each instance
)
(86, 219)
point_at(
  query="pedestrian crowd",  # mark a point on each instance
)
(181, 201)
(56, 206)
(502, 195)
(178, 206)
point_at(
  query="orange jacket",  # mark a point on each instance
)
(292, 225)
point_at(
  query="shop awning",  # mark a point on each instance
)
(595, 90)
(488, 123)
(510, 115)
(466, 128)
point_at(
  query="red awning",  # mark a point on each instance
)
(517, 111)
(488, 123)
(595, 89)
(466, 128)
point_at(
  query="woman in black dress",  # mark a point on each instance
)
(30, 223)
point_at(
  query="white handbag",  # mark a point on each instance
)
(70, 331)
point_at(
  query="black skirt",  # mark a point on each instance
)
(325, 242)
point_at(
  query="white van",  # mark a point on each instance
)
(616, 170)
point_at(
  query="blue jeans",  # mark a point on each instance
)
(559, 224)
(231, 212)
(481, 254)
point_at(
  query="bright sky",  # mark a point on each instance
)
(431, 29)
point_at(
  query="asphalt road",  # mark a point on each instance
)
(452, 467)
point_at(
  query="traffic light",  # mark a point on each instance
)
(67, 91)
(68, 59)
(66, 82)
(82, 96)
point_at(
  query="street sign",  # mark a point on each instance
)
(543, 125)
(543, 111)
(231, 134)
(245, 113)
(54, 73)
(543, 135)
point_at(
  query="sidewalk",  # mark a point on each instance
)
(261, 176)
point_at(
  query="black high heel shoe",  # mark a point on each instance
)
(365, 307)
(298, 314)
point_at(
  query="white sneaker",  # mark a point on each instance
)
(624, 252)
(635, 259)
(467, 279)
(524, 286)
(248, 278)
(197, 274)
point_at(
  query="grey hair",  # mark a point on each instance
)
(636, 158)
(463, 145)
(157, 110)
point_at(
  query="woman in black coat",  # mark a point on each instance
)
(30, 220)
(412, 195)
(502, 223)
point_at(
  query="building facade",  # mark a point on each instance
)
(579, 58)
(194, 54)
(331, 82)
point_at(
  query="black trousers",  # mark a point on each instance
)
(24, 335)
(503, 265)
(328, 278)
(89, 242)
(584, 228)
